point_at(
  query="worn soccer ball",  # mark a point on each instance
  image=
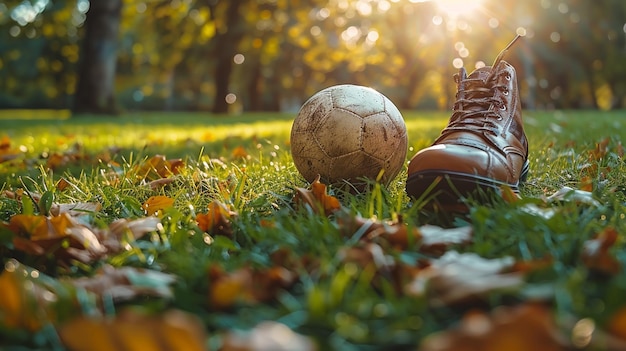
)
(349, 133)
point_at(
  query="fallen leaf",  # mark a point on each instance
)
(27, 297)
(156, 167)
(267, 336)
(216, 220)
(317, 199)
(427, 239)
(132, 330)
(157, 204)
(520, 328)
(509, 195)
(535, 210)
(456, 278)
(240, 152)
(38, 235)
(7, 153)
(600, 151)
(595, 252)
(75, 209)
(123, 230)
(367, 255)
(437, 239)
(247, 285)
(569, 194)
(617, 323)
(126, 283)
(586, 184)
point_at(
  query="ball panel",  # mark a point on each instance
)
(339, 133)
(355, 165)
(381, 136)
(394, 164)
(313, 112)
(394, 114)
(362, 101)
(308, 157)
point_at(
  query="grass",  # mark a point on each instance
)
(244, 163)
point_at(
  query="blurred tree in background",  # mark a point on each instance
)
(270, 55)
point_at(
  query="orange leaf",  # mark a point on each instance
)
(617, 323)
(240, 152)
(525, 327)
(596, 255)
(135, 331)
(48, 234)
(317, 198)
(157, 167)
(26, 302)
(30, 225)
(586, 184)
(157, 204)
(509, 195)
(216, 220)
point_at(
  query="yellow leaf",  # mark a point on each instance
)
(31, 225)
(156, 204)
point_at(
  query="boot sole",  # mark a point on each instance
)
(451, 187)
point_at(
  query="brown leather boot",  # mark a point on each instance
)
(484, 145)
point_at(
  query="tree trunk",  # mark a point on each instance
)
(226, 43)
(95, 89)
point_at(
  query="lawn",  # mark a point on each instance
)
(191, 231)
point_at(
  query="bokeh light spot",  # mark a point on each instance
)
(457, 62)
(231, 98)
(239, 59)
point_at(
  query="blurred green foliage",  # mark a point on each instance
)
(174, 54)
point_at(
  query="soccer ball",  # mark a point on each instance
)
(349, 133)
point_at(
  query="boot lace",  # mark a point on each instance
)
(477, 108)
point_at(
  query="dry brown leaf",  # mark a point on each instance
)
(68, 238)
(600, 151)
(521, 328)
(157, 167)
(436, 239)
(126, 283)
(7, 153)
(123, 230)
(317, 199)
(216, 220)
(267, 336)
(427, 239)
(134, 331)
(456, 278)
(75, 209)
(246, 285)
(37, 235)
(579, 196)
(595, 253)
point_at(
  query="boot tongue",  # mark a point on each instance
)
(481, 73)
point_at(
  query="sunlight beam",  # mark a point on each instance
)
(455, 8)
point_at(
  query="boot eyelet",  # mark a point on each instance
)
(499, 118)
(506, 92)
(507, 77)
(503, 108)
